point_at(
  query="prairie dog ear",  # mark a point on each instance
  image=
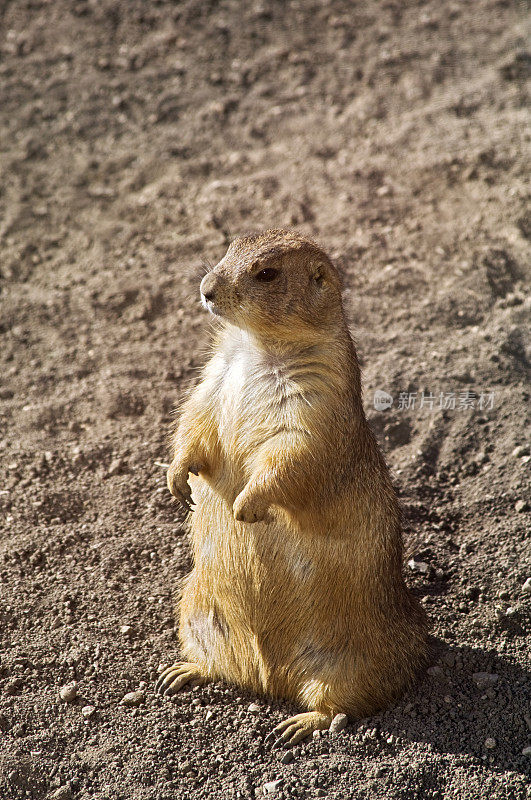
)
(318, 272)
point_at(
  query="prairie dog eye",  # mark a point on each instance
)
(266, 275)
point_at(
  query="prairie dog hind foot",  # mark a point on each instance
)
(293, 730)
(173, 678)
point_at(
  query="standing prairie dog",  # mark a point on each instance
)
(297, 589)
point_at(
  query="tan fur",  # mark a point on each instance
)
(307, 602)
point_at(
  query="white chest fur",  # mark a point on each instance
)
(253, 395)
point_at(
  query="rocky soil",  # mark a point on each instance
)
(137, 138)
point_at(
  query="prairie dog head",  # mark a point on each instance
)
(275, 284)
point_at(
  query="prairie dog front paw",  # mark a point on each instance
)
(177, 478)
(249, 508)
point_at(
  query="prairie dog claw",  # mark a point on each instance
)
(178, 675)
(293, 730)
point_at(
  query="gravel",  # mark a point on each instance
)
(136, 140)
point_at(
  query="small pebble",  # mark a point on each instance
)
(88, 711)
(526, 751)
(253, 708)
(287, 757)
(527, 586)
(209, 714)
(133, 699)
(13, 686)
(435, 671)
(316, 735)
(520, 506)
(62, 793)
(68, 692)
(126, 629)
(521, 450)
(484, 679)
(115, 467)
(339, 723)
(272, 787)
(490, 743)
(20, 729)
(418, 566)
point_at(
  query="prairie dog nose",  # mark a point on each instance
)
(208, 286)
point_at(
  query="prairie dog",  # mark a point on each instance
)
(297, 589)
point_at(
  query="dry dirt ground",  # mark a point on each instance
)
(136, 138)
